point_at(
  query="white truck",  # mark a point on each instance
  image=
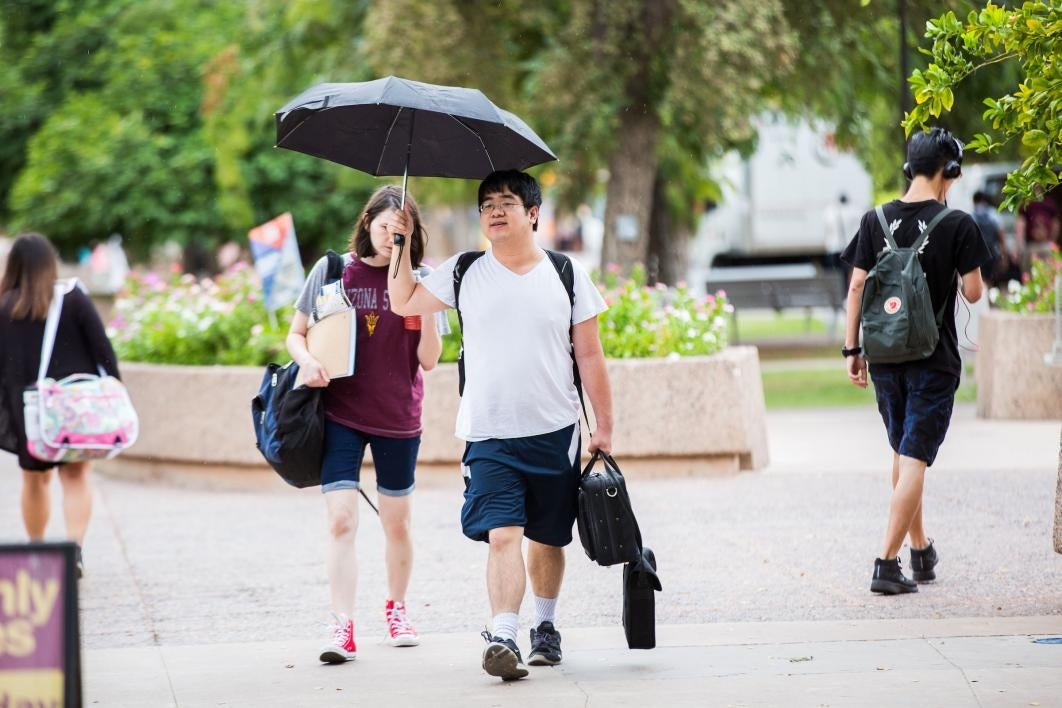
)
(797, 198)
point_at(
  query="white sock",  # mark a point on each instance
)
(545, 610)
(505, 625)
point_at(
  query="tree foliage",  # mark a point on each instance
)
(849, 71)
(1031, 36)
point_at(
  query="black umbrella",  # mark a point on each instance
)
(394, 126)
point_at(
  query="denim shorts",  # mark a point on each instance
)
(532, 482)
(395, 460)
(915, 404)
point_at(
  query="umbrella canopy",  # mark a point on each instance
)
(394, 126)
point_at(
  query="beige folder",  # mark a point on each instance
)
(332, 342)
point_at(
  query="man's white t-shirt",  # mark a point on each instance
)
(518, 365)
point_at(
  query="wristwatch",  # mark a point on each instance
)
(846, 352)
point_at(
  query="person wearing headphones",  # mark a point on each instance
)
(915, 398)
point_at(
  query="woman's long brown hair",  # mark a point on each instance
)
(384, 198)
(29, 278)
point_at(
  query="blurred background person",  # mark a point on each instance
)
(81, 346)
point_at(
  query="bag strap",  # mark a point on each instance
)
(335, 267)
(919, 242)
(880, 211)
(932, 224)
(51, 325)
(333, 272)
(464, 262)
(566, 272)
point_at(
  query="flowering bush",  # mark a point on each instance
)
(1036, 292)
(644, 321)
(177, 319)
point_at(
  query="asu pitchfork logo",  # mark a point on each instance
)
(370, 322)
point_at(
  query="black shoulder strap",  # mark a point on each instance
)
(333, 272)
(563, 265)
(464, 262)
(335, 267)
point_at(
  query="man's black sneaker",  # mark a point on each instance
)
(545, 646)
(502, 658)
(923, 560)
(889, 578)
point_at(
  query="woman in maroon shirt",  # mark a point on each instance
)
(81, 345)
(379, 406)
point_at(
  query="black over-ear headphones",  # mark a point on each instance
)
(952, 168)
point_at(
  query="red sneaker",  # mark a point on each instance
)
(340, 646)
(399, 630)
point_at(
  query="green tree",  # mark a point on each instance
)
(641, 90)
(1030, 35)
(849, 71)
(122, 147)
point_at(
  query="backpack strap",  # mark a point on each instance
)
(464, 262)
(333, 272)
(920, 241)
(563, 265)
(880, 211)
(335, 267)
(939, 314)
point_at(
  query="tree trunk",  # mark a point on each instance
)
(629, 198)
(632, 165)
(668, 260)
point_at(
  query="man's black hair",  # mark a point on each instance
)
(928, 152)
(519, 183)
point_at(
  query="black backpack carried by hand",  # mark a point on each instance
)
(289, 420)
(289, 425)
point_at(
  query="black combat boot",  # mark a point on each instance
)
(889, 578)
(923, 560)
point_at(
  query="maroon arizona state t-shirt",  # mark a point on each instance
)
(385, 394)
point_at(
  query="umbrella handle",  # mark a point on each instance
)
(400, 241)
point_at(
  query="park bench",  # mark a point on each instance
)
(779, 287)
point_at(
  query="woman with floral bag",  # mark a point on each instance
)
(379, 406)
(81, 347)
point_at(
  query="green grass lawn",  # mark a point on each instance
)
(766, 325)
(811, 387)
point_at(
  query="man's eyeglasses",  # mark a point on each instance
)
(489, 207)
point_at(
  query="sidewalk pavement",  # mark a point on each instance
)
(972, 662)
(205, 597)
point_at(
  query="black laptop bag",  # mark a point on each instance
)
(607, 527)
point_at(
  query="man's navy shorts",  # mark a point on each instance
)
(531, 482)
(916, 405)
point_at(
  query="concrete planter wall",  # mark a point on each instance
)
(1012, 379)
(680, 416)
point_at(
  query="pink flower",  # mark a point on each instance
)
(721, 293)
(613, 268)
(175, 268)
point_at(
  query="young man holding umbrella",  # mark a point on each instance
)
(520, 409)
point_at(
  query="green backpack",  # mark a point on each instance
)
(899, 323)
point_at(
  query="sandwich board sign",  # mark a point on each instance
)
(40, 652)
